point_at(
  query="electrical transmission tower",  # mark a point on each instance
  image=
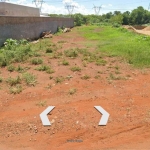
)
(38, 4)
(70, 8)
(97, 9)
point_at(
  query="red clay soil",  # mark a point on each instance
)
(74, 117)
(145, 31)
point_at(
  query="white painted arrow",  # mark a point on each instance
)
(105, 116)
(43, 116)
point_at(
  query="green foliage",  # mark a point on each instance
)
(16, 89)
(85, 77)
(132, 47)
(11, 68)
(30, 79)
(1, 79)
(49, 50)
(43, 68)
(75, 68)
(36, 61)
(13, 81)
(72, 91)
(59, 79)
(71, 53)
(65, 62)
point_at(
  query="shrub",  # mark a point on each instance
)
(36, 61)
(75, 68)
(13, 81)
(65, 63)
(16, 90)
(30, 79)
(85, 77)
(43, 68)
(71, 53)
(59, 79)
(11, 68)
(72, 91)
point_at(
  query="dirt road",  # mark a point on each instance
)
(74, 119)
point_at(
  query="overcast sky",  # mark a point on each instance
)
(85, 6)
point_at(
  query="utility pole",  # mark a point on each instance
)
(97, 9)
(38, 4)
(70, 8)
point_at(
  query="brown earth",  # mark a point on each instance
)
(144, 30)
(74, 117)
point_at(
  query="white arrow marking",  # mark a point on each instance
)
(105, 116)
(43, 116)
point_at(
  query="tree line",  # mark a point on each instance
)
(138, 16)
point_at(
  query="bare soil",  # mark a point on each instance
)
(144, 30)
(74, 117)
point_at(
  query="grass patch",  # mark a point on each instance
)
(65, 62)
(15, 89)
(75, 68)
(36, 61)
(11, 68)
(59, 79)
(14, 81)
(1, 79)
(30, 79)
(73, 53)
(72, 91)
(132, 47)
(85, 77)
(42, 68)
(41, 103)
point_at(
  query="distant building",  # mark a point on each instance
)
(8, 9)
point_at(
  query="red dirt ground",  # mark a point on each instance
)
(74, 116)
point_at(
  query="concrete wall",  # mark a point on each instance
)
(8, 9)
(30, 27)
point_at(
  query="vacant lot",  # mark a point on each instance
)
(90, 66)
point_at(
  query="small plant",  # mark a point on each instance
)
(1, 79)
(50, 71)
(30, 79)
(19, 69)
(112, 77)
(16, 89)
(72, 91)
(97, 77)
(69, 77)
(50, 77)
(75, 68)
(84, 63)
(11, 68)
(59, 79)
(41, 103)
(49, 50)
(85, 77)
(36, 61)
(100, 62)
(117, 67)
(43, 68)
(65, 63)
(13, 81)
(61, 42)
(71, 53)
(99, 72)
